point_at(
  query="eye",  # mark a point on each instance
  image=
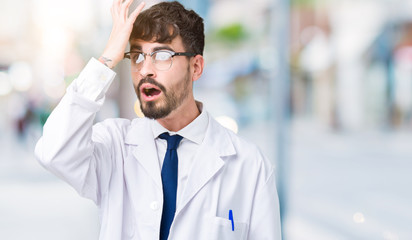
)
(162, 56)
(140, 58)
(137, 57)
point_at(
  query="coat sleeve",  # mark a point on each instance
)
(67, 147)
(265, 216)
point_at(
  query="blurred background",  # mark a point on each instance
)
(323, 87)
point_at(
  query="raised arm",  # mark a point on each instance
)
(70, 146)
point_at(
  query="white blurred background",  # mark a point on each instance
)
(323, 87)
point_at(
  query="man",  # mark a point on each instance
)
(175, 174)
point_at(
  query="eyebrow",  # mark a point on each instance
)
(139, 48)
(135, 47)
(163, 48)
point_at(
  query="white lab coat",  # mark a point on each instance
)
(115, 164)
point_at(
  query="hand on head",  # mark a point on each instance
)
(121, 30)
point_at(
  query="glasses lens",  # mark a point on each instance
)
(137, 59)
(162, 60)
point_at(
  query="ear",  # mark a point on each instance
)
(197, 64)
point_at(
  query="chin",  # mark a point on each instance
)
(154, 112)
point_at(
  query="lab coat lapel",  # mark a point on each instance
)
(144, 148)
(208, 161)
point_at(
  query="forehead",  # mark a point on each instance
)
(137, 44)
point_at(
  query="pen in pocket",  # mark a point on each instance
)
(231, 219)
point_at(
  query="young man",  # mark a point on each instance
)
(175, 174)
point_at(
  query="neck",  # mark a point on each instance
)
(180, 117)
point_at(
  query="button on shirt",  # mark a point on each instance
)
(193, 135)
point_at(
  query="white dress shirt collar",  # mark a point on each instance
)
(194, 131)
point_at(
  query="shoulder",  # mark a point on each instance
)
(246, 159)
(244, 148)
(121, 123)
(116, 127)
(113, 124)
(220, 132)
(252, 158)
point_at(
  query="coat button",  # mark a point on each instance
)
(154, 205)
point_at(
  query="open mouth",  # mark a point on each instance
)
(149, 91)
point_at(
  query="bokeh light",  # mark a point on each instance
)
(137, 109)
(228, 122)
(21, 76)
(5, 85)
(358, 217)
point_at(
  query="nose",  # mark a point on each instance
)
(147, 69)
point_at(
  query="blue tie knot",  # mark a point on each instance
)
(172, 141)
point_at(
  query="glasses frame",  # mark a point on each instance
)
(172, 53)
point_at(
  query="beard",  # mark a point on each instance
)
(172, 98)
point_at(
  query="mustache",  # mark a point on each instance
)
(151, 81)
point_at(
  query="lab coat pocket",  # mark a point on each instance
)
(222, 229)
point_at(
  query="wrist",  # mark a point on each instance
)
(106, 61)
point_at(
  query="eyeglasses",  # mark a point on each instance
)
(161, 59)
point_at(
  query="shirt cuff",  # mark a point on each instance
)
(94, 80)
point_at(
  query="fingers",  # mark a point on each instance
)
(118, 4)
(125, 9)
(136, 12)
(120, 9)
(115, 7)
(112, 12)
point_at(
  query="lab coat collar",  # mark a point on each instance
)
(141, 136)
(139, 132)
(208, 161)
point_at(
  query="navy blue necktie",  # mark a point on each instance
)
(169, 181)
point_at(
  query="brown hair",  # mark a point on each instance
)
(167, 20)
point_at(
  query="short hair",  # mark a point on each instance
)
(167, 20)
